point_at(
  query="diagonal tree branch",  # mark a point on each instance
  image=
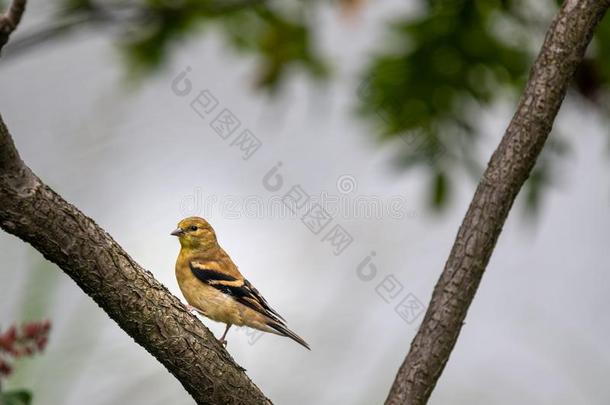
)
(509, 167)
(130, 295)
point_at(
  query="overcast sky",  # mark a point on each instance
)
(137, 161)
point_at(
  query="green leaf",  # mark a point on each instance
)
(18, 397)
(440, 190)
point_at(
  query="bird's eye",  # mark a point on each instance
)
(192, 228)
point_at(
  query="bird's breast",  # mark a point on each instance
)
(211, 302)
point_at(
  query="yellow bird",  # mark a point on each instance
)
(214, 287)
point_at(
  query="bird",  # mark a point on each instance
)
(213, 286)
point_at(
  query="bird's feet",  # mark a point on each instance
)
(190, 308)
(223, 340)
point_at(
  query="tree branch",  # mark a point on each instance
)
(10, 20)
(510, 165)
(130, 295)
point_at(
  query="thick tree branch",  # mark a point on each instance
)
(130, 295)
(509, 167)
(10, 20)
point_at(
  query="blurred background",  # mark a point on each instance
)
(380, 116)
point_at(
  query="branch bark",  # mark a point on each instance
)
(10, 20)
(510, 165)
(130, 295)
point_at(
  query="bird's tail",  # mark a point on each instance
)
(283, 330)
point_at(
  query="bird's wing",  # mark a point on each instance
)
(238, 288)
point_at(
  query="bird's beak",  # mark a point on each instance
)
(177, 232)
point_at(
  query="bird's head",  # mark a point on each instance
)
(195, 233)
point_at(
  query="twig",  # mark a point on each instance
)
(122, 15)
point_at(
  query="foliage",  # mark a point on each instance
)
(280, 39)
(448, 64)
(18, 397)
(427, 85)
(16, 342)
